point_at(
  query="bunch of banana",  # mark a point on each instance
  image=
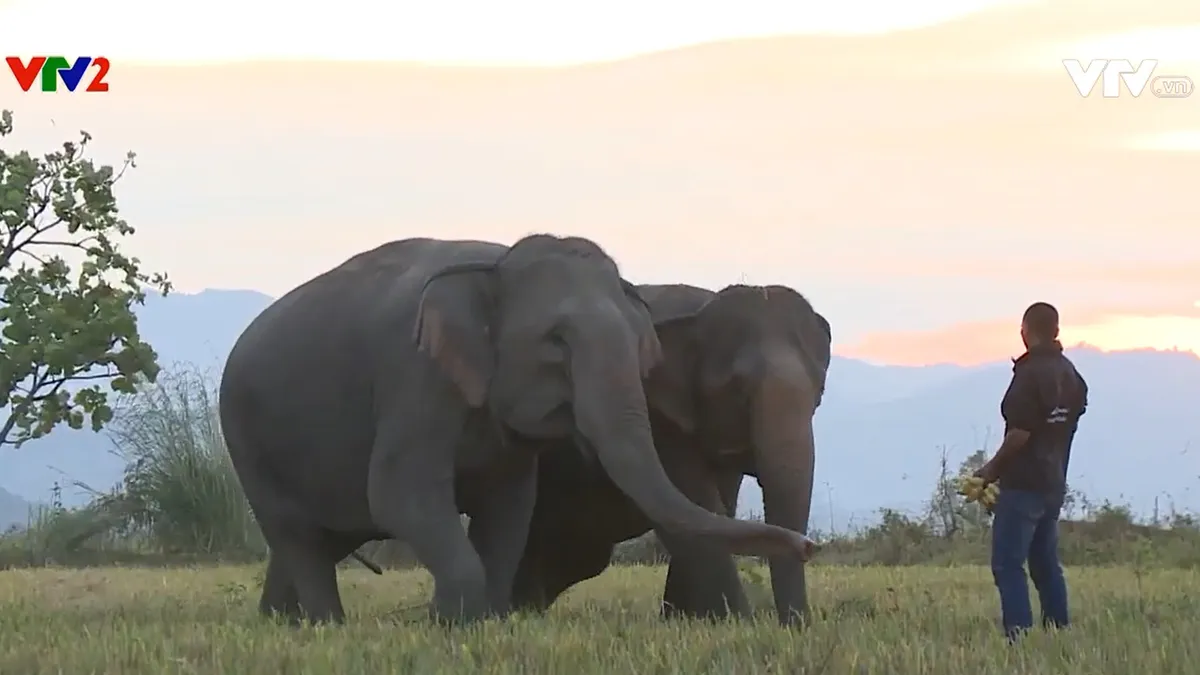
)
(973, 489)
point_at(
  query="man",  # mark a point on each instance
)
(1041, 410)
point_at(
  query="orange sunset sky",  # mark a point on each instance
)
(923, 170)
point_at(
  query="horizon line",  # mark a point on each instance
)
(1079, 345)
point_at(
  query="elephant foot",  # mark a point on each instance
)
(291, 618)
(299, 618)
(459, 609)
(529, 598)
(448, 618)
(325, 619)
(798, 617)
(714, 612)
(702, 584)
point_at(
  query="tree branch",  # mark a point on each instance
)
(37, 231)
(41, 380)
(59, 382)
(31, 254)
(81, 244)
(20, 410)
(43, 202)
(7, 429)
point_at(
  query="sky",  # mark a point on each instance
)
(541, 32)
(923, 178)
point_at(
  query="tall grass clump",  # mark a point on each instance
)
(180, 490)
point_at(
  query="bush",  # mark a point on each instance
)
(180, 488)
(179, 499)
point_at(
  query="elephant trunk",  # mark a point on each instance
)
(782, 435)
(610, 412)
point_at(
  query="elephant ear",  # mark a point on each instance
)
(671, 385)
(453, 327)
(649, 347)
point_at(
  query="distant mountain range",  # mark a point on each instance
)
(880, 431)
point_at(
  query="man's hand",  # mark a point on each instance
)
(988, 473)
(975, 490)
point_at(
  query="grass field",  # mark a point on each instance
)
(894, 621)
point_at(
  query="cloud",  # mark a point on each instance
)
(1173, 46)
(1179, 140)
(966, 343)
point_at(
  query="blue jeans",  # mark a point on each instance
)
(1025, 528)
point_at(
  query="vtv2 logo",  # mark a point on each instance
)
(54, 67)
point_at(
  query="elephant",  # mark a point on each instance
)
(420, 380)
(742, 375)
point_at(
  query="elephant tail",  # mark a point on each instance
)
(366, 562)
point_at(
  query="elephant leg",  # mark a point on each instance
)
(703, 586)
(279, 596)
(499, 528)
(729, 484)
(560, 553)
(304, 558)
(410, 489)
(702, 578)
(570, 562)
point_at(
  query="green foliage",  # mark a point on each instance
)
(180, 489)
(950, 513)
(66, 292)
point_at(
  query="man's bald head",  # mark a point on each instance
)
(1039, 324)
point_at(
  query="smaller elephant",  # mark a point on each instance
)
(742, 375)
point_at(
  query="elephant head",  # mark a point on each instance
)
(743, 371)
(556, 344)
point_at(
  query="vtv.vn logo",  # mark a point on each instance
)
(1111, 73)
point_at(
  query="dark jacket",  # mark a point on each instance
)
(1046, 397)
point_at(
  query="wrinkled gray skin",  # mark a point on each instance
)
(742, 376)
(419, 380)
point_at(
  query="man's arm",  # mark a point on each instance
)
(1022, 413)
(1012, 444)
(1083, 401)
(1083, 391)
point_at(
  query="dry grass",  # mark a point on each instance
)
(884, 620)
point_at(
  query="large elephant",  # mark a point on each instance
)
(420, 380)
(742, 375)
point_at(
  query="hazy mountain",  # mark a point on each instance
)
(13, 510)
(880, 431)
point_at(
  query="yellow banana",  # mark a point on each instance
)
(988, 498)
(972, 487)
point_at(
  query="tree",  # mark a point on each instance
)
(949, 512)
(66, 292)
